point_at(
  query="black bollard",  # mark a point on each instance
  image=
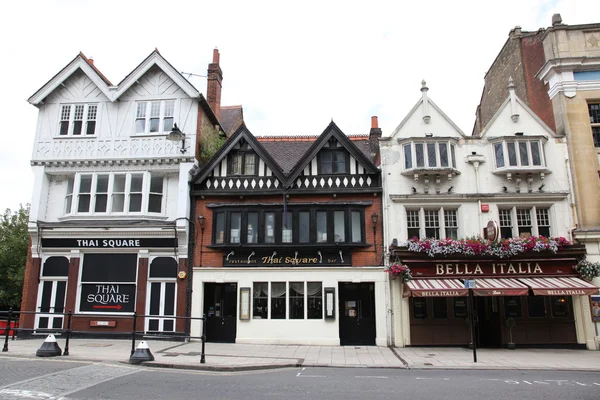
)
(7, 331)
(66, 352)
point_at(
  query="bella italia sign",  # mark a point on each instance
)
(485, 268)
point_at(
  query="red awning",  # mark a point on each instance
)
(559, 286)
(499, 287)
(437, 288)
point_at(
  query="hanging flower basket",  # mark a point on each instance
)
(588, 270)
(399, 270)
(477, 246)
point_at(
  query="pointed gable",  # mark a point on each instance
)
(333, 141)
(241, 151)
(426, 118)
(80, 71)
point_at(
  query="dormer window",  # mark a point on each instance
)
(242, 161)
(333, 158)
(518, 154)
(435, 154)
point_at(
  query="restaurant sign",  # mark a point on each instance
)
(287, 259)
(490, 269)
(107, 298)
(108, 243)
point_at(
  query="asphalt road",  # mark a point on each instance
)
(55, 379)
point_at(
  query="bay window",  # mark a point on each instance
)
(114, 193)
(301, 226)
(430, 154)
(518, 154)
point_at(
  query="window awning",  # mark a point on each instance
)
(559, 286)
(500, 287)
(436, 288)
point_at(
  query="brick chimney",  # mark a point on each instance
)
(214, 83)
(374, 135)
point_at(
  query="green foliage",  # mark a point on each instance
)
(210, 143)
(14, 240)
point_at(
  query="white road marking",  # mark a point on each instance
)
(529, 383)
(29, 394)
(299, 373)
(423, 378)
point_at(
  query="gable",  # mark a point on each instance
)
(332, 140)
(527, 123)
(77, 87)
(414, 125)
(154, 83)
(227, 169)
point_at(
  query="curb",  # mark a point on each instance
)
(217, 368)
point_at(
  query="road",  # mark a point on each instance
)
(22, 378)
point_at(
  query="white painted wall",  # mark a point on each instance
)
(289, 331)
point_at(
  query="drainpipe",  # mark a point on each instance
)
(573, 200)
(386, 259)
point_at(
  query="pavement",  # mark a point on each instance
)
(240, 357)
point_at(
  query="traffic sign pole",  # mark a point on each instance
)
(472, 317)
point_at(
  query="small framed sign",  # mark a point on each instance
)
(595, 308)
(244, 303)
(329, 303)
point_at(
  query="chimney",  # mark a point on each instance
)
(91, 60)
(214, 83)
(374, 135)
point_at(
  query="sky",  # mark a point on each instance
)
(293, 65)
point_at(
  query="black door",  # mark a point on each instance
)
(489, 330)
(220, 300)
(357, 313)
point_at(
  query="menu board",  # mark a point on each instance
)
(560, 307)
(419, 306)
(460, 307)
(512, 307)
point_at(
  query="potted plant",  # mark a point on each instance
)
(588, 270)
(397, 269)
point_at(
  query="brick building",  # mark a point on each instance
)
(290, 245)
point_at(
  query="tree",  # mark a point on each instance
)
(14, 241)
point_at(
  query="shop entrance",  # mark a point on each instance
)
(489, 329)
(220, 300)
(357, 313)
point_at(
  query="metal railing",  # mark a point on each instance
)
(12, 317)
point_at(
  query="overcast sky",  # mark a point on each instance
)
(293, 65)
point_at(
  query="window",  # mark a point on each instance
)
(296, 300)
(287, 300)
(561, 306)
(526, 224)
(114, 193)
(324, 226)
(439, 223)
(278, 300)
(260, 301)
(429, 155)
(460, 307)
(333, 158)
(594, 110)
(154, 116)
(78, 119)
(512, 307)
(518, 153)
(419, 308)
(242, 160)
(314, 290)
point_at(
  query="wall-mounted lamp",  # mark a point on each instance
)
(429, 135)
(177, 136)
(374, 219)
(201, 221)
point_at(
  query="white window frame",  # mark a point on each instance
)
(533, 215)
(161, 316)
(450, 146)
(85, 119)
(147, 116)
(147, 176)
(441, 220)
(505, 155)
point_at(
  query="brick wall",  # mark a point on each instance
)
(30, 288)
(367, 256)
(537, 92)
